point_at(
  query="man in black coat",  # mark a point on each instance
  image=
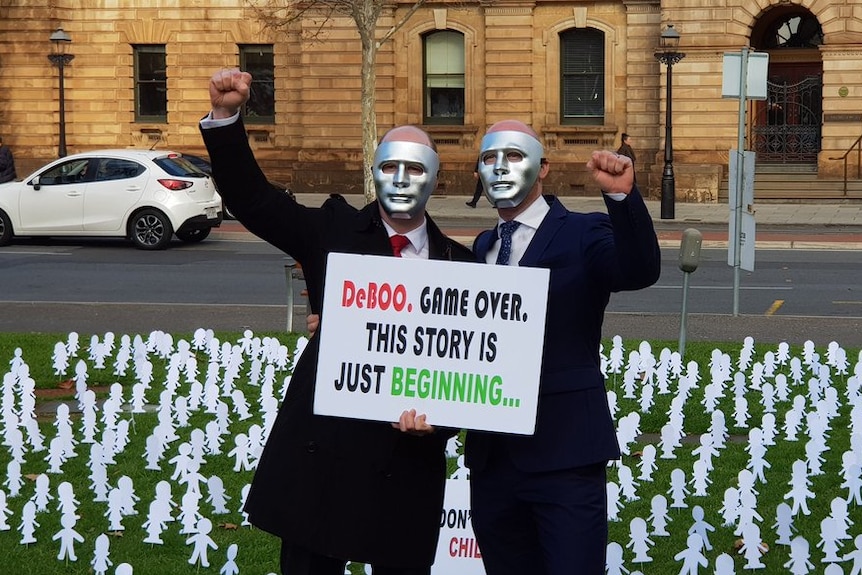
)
(334, 489)
(7, 164)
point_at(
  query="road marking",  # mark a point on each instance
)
(774, 307)
(848, 302)
(750, 288)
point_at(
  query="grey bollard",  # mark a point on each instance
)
(689, 258)
(289, 267)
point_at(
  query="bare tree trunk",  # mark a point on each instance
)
(369, 114)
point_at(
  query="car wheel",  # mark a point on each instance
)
(150, 230)
(5, 229)
(194, 236)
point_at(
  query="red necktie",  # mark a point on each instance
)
(398, 244)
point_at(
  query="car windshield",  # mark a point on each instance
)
(179, 166)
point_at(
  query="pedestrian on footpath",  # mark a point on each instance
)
(7, 164)
(626, 150)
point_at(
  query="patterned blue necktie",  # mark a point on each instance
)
(506, 231)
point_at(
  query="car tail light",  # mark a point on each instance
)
(175, 184)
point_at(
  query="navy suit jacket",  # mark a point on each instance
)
(590, 256)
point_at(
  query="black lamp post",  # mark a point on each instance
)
(668, 56)
(59, 40)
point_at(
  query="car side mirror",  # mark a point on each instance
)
(35, 182)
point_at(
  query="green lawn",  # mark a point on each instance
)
(258, 552)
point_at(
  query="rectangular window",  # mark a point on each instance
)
(444, 78)
(582, 82)
(151, 84)
(257, 60)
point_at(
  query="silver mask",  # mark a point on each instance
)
(405, 175)
(509, 165)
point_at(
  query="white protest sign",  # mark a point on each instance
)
(457, 551)
(459, 342)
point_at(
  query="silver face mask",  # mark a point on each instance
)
(509, 165)
(405, 175)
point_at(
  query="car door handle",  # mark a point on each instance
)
(73, 194)
(133, 189)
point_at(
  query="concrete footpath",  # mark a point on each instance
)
(778, 225)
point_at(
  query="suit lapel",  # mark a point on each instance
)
(545, 234)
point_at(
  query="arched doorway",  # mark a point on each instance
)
(786, 127)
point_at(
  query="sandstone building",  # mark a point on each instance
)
(581, 72)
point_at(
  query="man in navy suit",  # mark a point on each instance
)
(539, 502)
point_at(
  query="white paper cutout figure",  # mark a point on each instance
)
(730, 507)
(42, 494)
(799, 563)
(668, 442)
(5, 512)
(230, 567)
(700, 479)
(101, 560)
(615, 504)
(243, 496)
(88, 416)
(724, 565)
(189, 512)
(114, 512)
(66, 502)
(72, 344)
(124, 569)
(840, 513)
(639, 541)
(217, 496)
(63, 424)
(67, 537)
(647, 464)
(700, 526)
(659, 516)
(28, 524)
(756, 449)
(745, 354)
(677, 490)
(718, 429)
(856, 556)
(127, 495)
(752, 547)
(706, 451)
(829, 540)
(783, 524)
(614, 563)
(799, 492)
(160, 513)
(98, 473)
(201, 541)
(60, 358)
(740, 412)
(691, 557)
(240, 453)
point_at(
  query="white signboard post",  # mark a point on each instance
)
(459, 342)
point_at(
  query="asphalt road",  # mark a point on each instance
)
(53, 286)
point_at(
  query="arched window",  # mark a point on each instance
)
(799, 30)
(582, 76)
(444, 77)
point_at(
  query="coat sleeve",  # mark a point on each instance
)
(628, 254)
(265, 210)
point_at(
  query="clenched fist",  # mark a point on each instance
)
(229, 90)
(612, 172)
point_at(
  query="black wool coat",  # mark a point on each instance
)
(346, 488)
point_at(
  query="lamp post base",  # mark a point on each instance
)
(668, 196)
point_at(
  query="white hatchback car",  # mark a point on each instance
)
(146, 196)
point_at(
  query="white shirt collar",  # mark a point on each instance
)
(532, 216)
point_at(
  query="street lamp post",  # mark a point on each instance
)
(668, 55)
(58, 56)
